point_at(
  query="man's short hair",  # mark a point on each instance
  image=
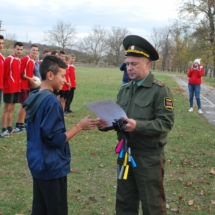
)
(54, 52)
(18, 44)
(67, 58)
(51, 63)
(62, 52)
(46, 51)
(1, 37)
(34, 45)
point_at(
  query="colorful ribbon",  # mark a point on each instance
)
(125, 152)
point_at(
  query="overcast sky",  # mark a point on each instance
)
(29, 19)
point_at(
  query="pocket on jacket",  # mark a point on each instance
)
(142, 110)
(122, 103)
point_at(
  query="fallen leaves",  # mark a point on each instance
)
(196, 193)
(188, 184)
(186, 162)
(77, 197)
(176, 209)
(197, 207)
(190, 202)
(202, 193)
(213, 202)
(212, 171)
(168, 161)
(179, 179)
(180, 198)
(200, 179)
(92, 198)
(93, 153)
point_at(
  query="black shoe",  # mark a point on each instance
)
(70, 111)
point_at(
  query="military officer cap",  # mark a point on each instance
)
(139, 47)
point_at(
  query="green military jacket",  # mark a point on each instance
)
(151, 105)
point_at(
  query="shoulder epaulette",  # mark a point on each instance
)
(160, 83)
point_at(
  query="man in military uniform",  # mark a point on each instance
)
(148, 104)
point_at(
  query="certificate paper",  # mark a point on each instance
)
(107, 110)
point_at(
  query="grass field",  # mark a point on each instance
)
(189, 174)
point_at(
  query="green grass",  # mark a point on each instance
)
(210, 81)
(91, 190)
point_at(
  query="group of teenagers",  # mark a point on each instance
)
(17, 80)
(149, 107)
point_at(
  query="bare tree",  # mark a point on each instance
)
(95, 44)
(198, 12)
(157, 41)
(181, 47)
(162, 42)
(165, 47)
(9, 40)
(115, 51)
(62, 35)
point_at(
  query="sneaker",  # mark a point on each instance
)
(70, 111)
(190, 110)
(16, 130)
(22, 128)
(4, 134)
(200, 111)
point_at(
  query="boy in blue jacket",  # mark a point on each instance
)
(48, 152)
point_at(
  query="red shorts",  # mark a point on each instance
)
(23, 96)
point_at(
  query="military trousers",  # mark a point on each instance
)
(144, 185)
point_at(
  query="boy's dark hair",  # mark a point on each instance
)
(51, 63)
(46, 51)
(18, 44)
(54, 52)
(34, 45)
(1, 37)
(62, 52)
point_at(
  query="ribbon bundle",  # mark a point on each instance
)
(124, 151)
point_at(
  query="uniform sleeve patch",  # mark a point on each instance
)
(168, 103)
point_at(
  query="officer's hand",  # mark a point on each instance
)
(131, 124)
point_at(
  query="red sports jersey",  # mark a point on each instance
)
(27, 68)
(72, 76)
(66, 87)
(12, 75)
(1, 70)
